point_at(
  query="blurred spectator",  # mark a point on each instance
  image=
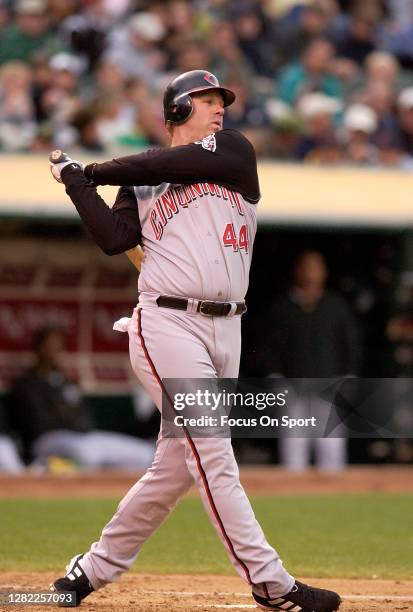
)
(60, 100)
(53, 419)
(85, 122)
(109, 78)
(401, 11)
(319, 143)
(382, 66)
(245, 112)
(28, 34)
(310, 74)
(97, 67)
(405, 106)
(359, 123)
(190, 54)
(250, 29)
(379, 66)
(228, 59)
(360, 38)
(286, 131)
(291, 41)
(381, 97)
(396, 36)
(312, 334)
(135, 48)
(4, 15)
(9, 457)
(85, 33)
(181, 18)
(17, 115)
(115, 119)
(147, 106)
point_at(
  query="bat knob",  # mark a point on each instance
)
(57, 156)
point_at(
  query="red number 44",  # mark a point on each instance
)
(230, 240)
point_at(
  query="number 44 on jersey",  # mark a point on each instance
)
(230, 239)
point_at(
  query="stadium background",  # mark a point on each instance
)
(76, 85)
(88, 77)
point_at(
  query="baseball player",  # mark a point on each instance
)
(193, 208)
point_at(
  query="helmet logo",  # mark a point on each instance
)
(210, 78)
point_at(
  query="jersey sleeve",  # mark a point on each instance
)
(115, 229)
(226, 158)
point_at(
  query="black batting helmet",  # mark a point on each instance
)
(177, 102)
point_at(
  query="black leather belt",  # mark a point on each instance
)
(205, 307)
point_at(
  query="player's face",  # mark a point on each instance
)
(208, 113)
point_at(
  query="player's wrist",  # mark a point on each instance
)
(59, 161)
(69, 166)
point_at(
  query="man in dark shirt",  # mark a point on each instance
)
(312, 335)
(53, 420)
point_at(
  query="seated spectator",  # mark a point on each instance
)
(10, 460)
(17, 113)
(109, 78)
(381, 97)
(319, 142)
(245, 111)
(60, 99)
(396, 37)
(405, 108)
(290, 42)
(382, 66)
(286, 129)
(135, 48)
(249, 26)
(246, 115)
(360, 38)
(379, 66)
(85, 122)
(190, 54)
(115, 121)
(360, 124)
(85, 33)
(4, 16)
(311, 73)
(401, 12)
(146, 104)
(228, 59)
(28, 34)
(53, 420)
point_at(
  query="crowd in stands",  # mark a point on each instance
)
(324, 81)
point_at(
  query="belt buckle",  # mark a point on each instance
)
(202, 305)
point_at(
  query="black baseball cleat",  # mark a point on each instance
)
(302, 598)
(75, 581)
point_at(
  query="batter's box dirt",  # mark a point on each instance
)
(152, 593)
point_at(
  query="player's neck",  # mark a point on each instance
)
(183, 136)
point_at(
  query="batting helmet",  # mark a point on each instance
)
(177, 102)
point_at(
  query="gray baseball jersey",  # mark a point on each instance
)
(197, 229)
(213, 261)
(193, 208)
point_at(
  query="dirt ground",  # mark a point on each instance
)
(265, 480)
(152, 593)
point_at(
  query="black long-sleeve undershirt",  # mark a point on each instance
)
(118, 229)
(232, 165)
(115, 230)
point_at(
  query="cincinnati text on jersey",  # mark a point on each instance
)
(179, 196)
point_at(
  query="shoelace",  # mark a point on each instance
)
(308, 595)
